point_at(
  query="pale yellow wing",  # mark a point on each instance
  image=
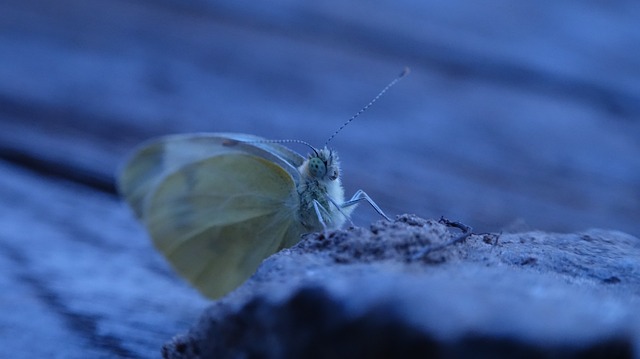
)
(158, 158)
(215, 210)
(217, 219)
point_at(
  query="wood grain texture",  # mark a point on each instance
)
(74, 288)
(516, 116)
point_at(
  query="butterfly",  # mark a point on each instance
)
(217, 204)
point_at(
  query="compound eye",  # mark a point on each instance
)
(317, 168)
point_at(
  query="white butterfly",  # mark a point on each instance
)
(217, 204)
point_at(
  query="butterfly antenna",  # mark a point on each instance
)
(404, 73)
(286, 141)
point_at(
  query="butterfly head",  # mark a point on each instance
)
(323, 165)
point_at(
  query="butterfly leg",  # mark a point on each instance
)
(320, 210)
(339, 208)
(360, 195)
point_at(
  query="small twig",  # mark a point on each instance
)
(466, 232)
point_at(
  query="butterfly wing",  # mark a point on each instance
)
(156, 159)
(214, 206)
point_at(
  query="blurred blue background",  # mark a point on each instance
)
(516, 115)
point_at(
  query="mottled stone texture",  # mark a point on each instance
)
(369, 293)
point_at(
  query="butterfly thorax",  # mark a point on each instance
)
(320, 184)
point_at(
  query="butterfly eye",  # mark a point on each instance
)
(317, 168)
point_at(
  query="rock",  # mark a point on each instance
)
(380, 293)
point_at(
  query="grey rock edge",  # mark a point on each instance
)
(364, 293)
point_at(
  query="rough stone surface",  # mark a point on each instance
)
(369, 293)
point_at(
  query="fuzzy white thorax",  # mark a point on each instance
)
(320, 181)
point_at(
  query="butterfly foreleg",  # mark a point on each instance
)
(339, 208)
(361, 195)
(321, 212)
